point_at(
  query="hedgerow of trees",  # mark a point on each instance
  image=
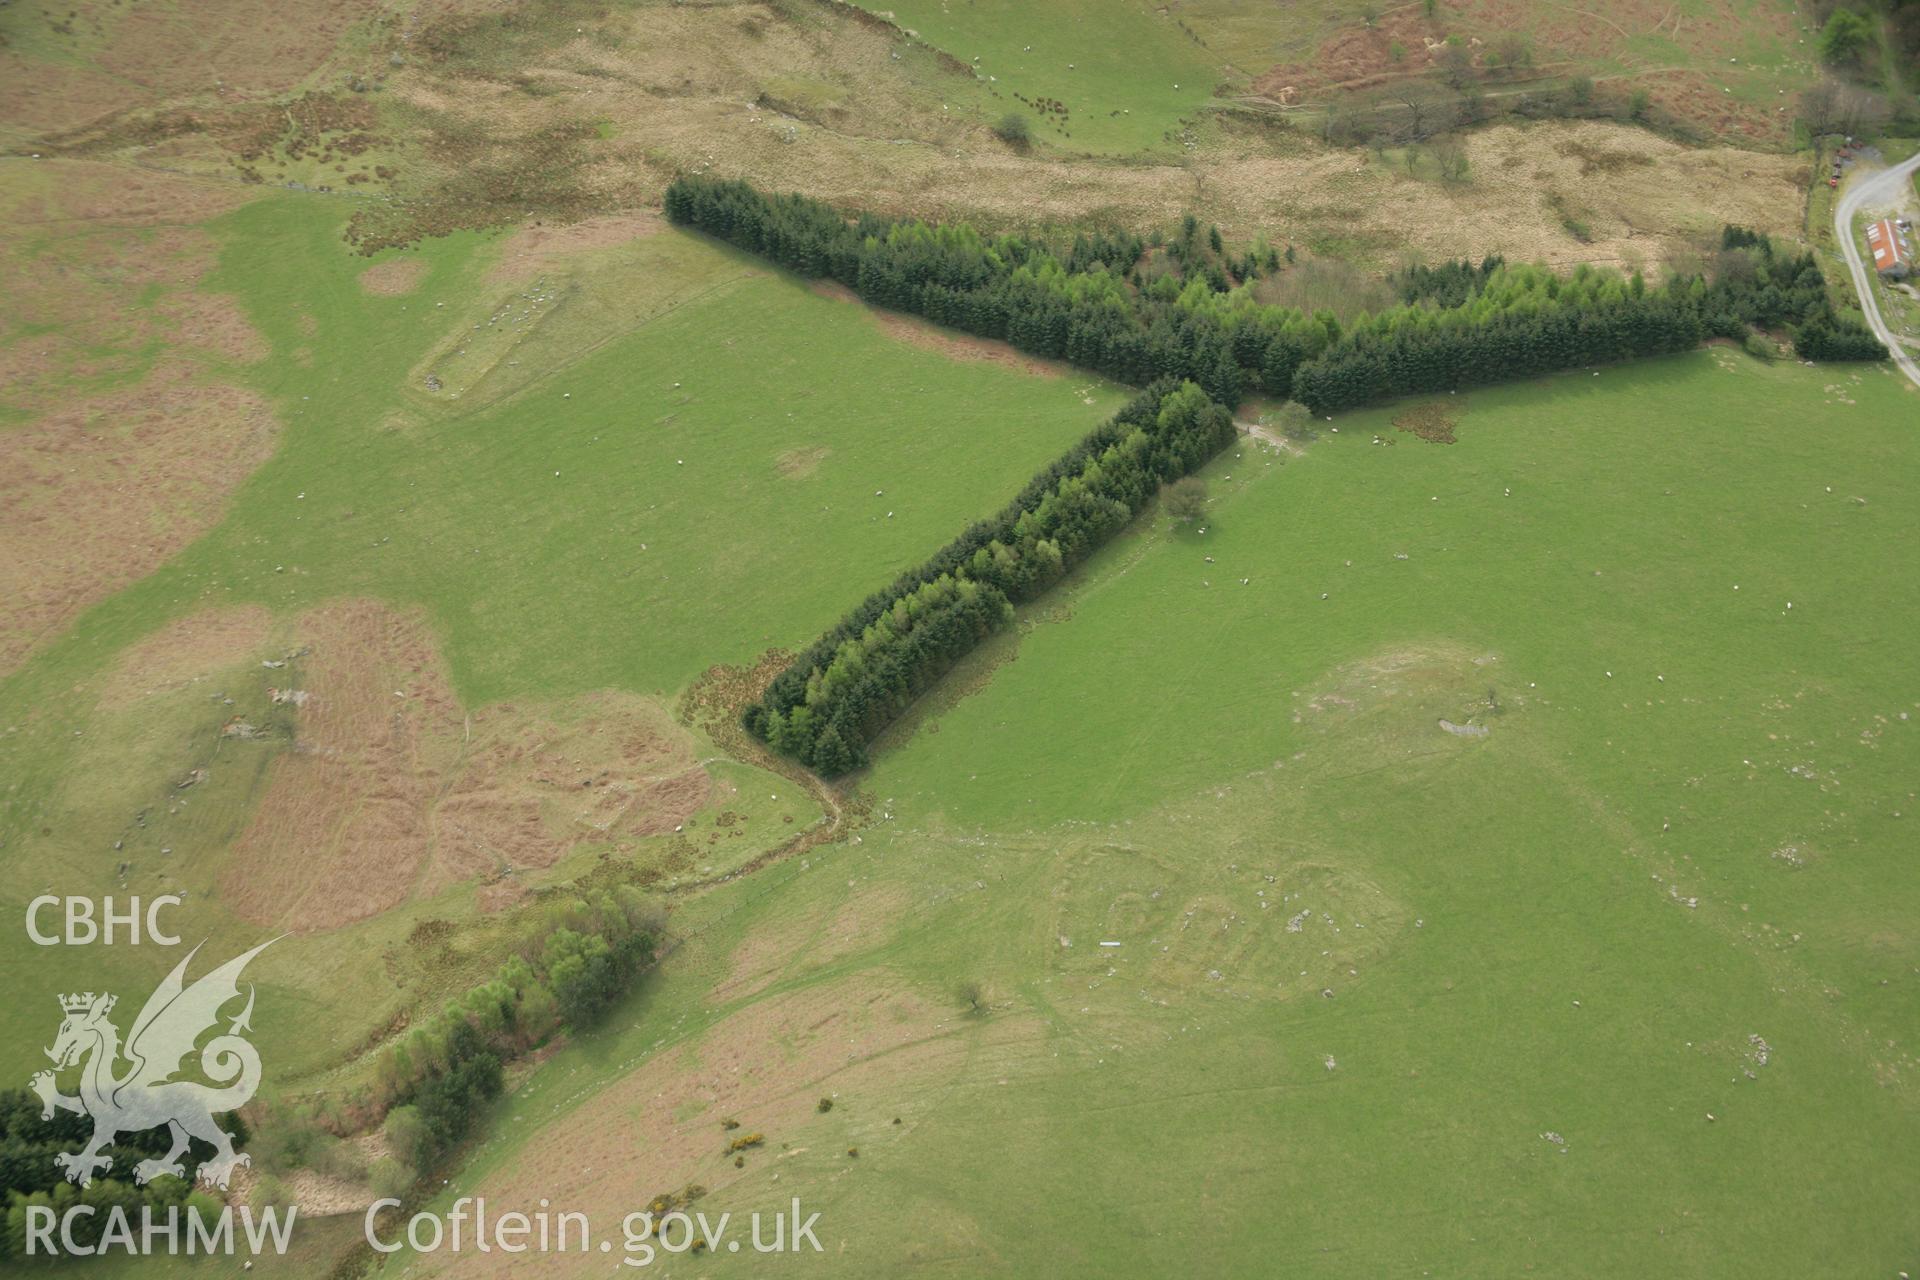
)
(1199, 339)
(835, 698)
(577, 959)
(573, 958)
(1465, 326)
(1092, 304)
(1089, 302)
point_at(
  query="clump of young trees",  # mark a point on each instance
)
(574, 960)
(836, 697)
(1846, 37)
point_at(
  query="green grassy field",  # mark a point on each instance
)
(683, 469)
(1624, 986)
(1487, 859)
(1128, 75)
(763, 369)
(1135, 75)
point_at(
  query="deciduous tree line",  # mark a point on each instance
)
(574, 959)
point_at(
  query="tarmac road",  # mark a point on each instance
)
(1887, 188)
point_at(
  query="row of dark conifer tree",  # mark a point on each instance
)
(1459, 325)
(831, 702)
(1198, 339)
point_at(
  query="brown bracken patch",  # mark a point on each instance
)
(86, 195)
(393, 790)
(213, 323)
(1430, 420)
(122, 457)
(531, 250)
(1401, 44)
(394, 277)
(99, 495)
(341, 829)
(82, 257)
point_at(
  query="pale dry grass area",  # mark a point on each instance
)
(827, 112)
(810, 940)
(553, 292)
(528, 251)
(70, 64)
(186, 652)
(868, 1039)
(1645, 200)
(393, 278)
(798, 464)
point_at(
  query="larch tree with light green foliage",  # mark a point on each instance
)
(406, 1135)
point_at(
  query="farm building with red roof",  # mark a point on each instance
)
(1892, 255)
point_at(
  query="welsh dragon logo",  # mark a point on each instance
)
(145, 1095)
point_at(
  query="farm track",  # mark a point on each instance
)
(1886, 187)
